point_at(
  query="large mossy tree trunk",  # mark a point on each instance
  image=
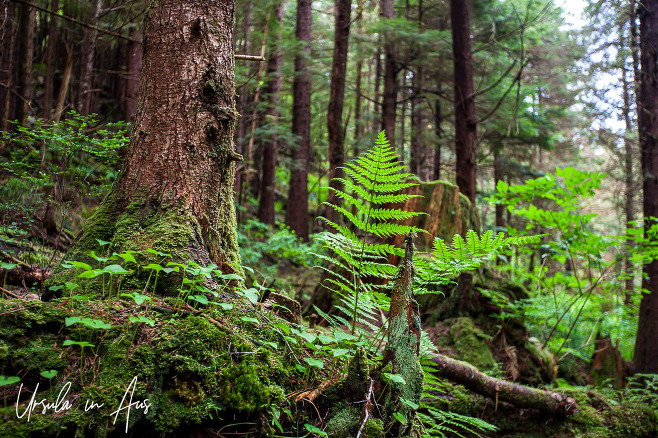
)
(175, 191)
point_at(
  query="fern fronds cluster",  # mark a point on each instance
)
(447, 261)
(372, 182)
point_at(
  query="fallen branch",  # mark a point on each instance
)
(20, 276)
(501, 390)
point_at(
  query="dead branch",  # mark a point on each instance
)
(521, 396)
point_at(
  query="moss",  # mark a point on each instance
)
(469, 342)
(184, 367)
(344, 423)
(374, 428)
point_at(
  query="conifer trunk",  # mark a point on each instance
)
(390, 77)
(6, 57)
(646, 347)
(175, 190)
(465, 120)
(297, 208)
(267, 185)
(343, 9)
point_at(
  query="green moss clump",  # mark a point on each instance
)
(344, 423)
(470, 345)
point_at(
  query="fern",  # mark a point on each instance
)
(464, 255)
(371, 182)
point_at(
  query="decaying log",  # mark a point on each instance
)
(501, 390)
(20, 275)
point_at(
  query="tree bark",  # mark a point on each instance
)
(465, 120)
(438, 130)
(6, 59)
(175, 191)
(297, 208)
(24, 51)
(629, 188)
(416, 123)
(87, 72)
(343, 9)
(646, 347)
(390, 76)
(50, 62)
(134, 55)
(63, 88)
(266, 203)
(498, 176)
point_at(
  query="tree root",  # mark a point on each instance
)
(549, 402)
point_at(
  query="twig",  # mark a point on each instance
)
(6, 292)
(366, 408)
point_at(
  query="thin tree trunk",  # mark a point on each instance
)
(23, 62)
(629, 177)
(87, 72)
(438, 130)
(243, 96)
(50, 62)
(377, 122)
(498, 176)
(6, 59)
(175, 191)
(343, 10)
(416, 123)
(465, 119)
(646, 347)
(297, 208)
(390, 76)
(267, 187)
(63, 88)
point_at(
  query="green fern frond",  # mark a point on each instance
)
(371, 182)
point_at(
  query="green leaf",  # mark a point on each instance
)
(8, 266)
(395, 378)
(398, 416)
(82, 344)
(76, 265)
(4, 381)
(199, 299)
(115, 269)
(317, 363)
(224, 306)
(409, 403)
(314, 429)
(87, 322)
(142, 318)
(249, 319)
(102, 242)
(48, 374)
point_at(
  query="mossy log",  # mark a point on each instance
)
(501, 390)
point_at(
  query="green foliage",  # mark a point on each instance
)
(371, 181)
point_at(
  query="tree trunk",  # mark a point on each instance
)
(498, 176)
(376, 123)
(646, 347)
(343, 9)
(465, 120)
(87, 72)
(267, 187)
(243, 96)
(416, 123)
(63, 88)
(438, 130)
(131, 81)
(297, 208)
(24, 51)
(175, 191)
(390, 76)
(6, 57)
(50, 62)
(629, 188)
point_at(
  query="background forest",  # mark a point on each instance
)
(278, 293)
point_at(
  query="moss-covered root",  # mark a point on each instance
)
(403, 347)
(518, 395)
